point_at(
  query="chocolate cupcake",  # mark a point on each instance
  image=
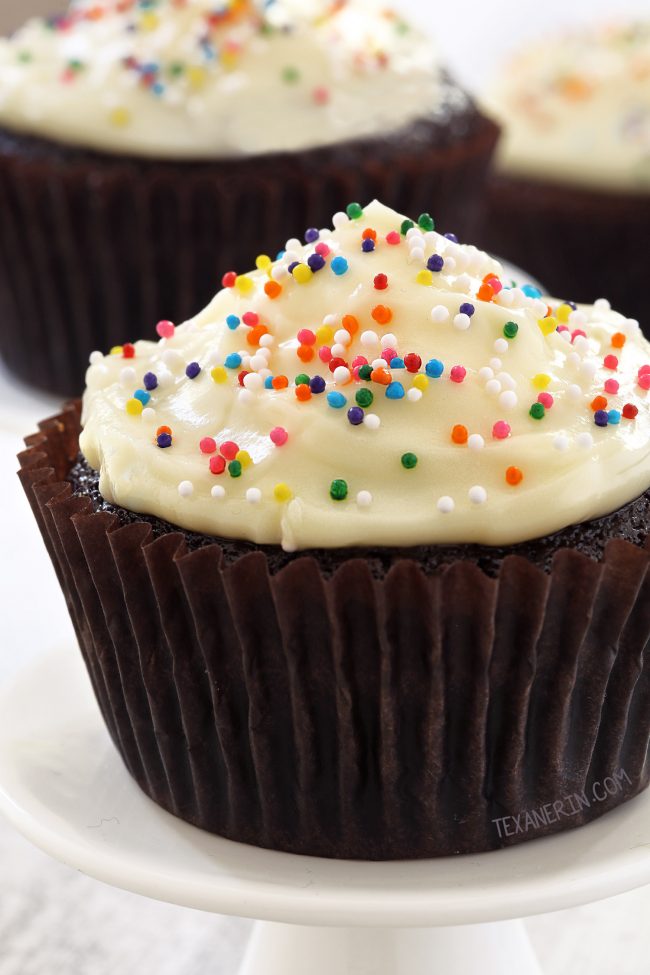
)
(358, 557)
(572, 175)
(145, 147)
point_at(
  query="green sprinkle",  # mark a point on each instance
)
(365, 372)
(510, 330)
(302, 379)
(426, 222)
(25, 57)
(537, 411)
(290, 75)
(176, 69)
(406, 226)
(354, 211)
(234, 468)
(409, 461)
(338, 490)
(364, 397)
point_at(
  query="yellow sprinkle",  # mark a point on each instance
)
(229, 59)
(541, 380)
(116, 350)
(219, 374)
(134, 407)
(421, 382)
(196, 77)
(120, 117)
(263, 262)
(282, 492)
(244, 284)
(547, 325)
(303, 273)
(324, 335)
(149, 21)
(425, 277)
(563, 312)
(244, 458)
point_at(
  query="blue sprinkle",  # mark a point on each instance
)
(143, 396)
(355, 415)
(280, 255)
(395, 391)
(452, 237)
(601, 418)
(434, 368)
(614, 416)
(368, 245)
(316, 262)
(317, 384)
(164, 440)
(233, 361)
(336, 400)
(311, 235)
(192, 370)
(233, 322)
(435, 263)
(150, 380)
(467, 309)
(397, 363)
(268, 382)
(531, 291)
(339, 265)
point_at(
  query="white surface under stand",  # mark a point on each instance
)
(63, 786)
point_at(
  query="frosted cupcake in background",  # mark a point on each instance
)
(146, 147)
(572, 175)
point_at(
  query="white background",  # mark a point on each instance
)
(54, 921)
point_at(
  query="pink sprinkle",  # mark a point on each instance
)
(208, 445)
(279, 436)
(358, 361)
(610, 362)
(165, 329)
(321, 95)
(644, 370)
(388, 355)
(325, 353)
(458, 374)
(229, 450)
(495, 284)
(576, 332)
(251, 319)
(562, 328)
(393, 238)
(323, 249)
(306, 336)
(611, 386)
(546, 400)
(644, 380)
(355, 372)
(501, 430)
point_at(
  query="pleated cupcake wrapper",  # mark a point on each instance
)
(581, 244)
(353, 716)
(94, 250)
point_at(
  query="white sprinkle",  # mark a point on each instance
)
(508, 399)
(475, 441)
(389, 341)
(173, 359)
(501, 346)
(574, 392)
(293, 244)
(342, 337)
(339, 350)
(462, 322)
(329, 321)
(446, 505)
(588, 369)
(504, 298)
(561, 442)
(602, 304)
(417, 254)
(463, 283)
(477, 494)
(148, 413)
(95, 357)
(485, 373)
(266, 341)
(450, 264)
(265, 373)
(372, 421)
(577, 318)
(218, 492)
(340, 220)
(496, 364)
(493, 386)
(585, 441)
(378, 363)
(573, 359)
(364, 499)
(279, 272)
(253, 381)
(506, 380)
(186, 489)
(342, 374)
(581, 344)
(246, 397)
(253, 495)
(258, 362)
(540, 307)
(414, 394)
(439, 314)
(368, 339)
(127, 375)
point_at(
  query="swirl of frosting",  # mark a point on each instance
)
(198, 79)
(577, 110)
(382, 384)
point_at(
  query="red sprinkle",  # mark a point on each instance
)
(229, 449)
(217, 464)
(208, 445)
(413, 362)
(128, 351)
(630, 411)
(229, 278)
(381, 282)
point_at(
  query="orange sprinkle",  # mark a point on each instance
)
(351, 324)
(279, 382)
(381, 376)
(369, 234)
(618, 340)
(382, 314)
(598, 403)
(303, 393)
(485, 292)
(459, 434)
(273, 289)
(256, 333)
(305, 353)
(514, 476)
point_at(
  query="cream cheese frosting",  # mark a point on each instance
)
(198, 79)
(382, 384)
(576, 109)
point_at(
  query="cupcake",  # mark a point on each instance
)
(572, 175)
(145, 146)
(358, 557)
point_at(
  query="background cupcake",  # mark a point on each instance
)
(176, 141)
(373, 587)
(572, 175)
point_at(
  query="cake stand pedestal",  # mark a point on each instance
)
(63, 786)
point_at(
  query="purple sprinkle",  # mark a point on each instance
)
(292, 266)
(192, 370)
(601, 418)
(316, 262)
(452, 237)
(164, 440)
(435, 263)
(317, 384)
(355, 415)
(150, 380)
(368, 245)
(467, 309)
(311, 235)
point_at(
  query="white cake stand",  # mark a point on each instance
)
(63, 786)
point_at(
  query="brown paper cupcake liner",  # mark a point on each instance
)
(581, 244)
(95, 249)
(359, 714)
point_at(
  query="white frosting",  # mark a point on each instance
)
(576, 109)
(572, 469)
(164, 79)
